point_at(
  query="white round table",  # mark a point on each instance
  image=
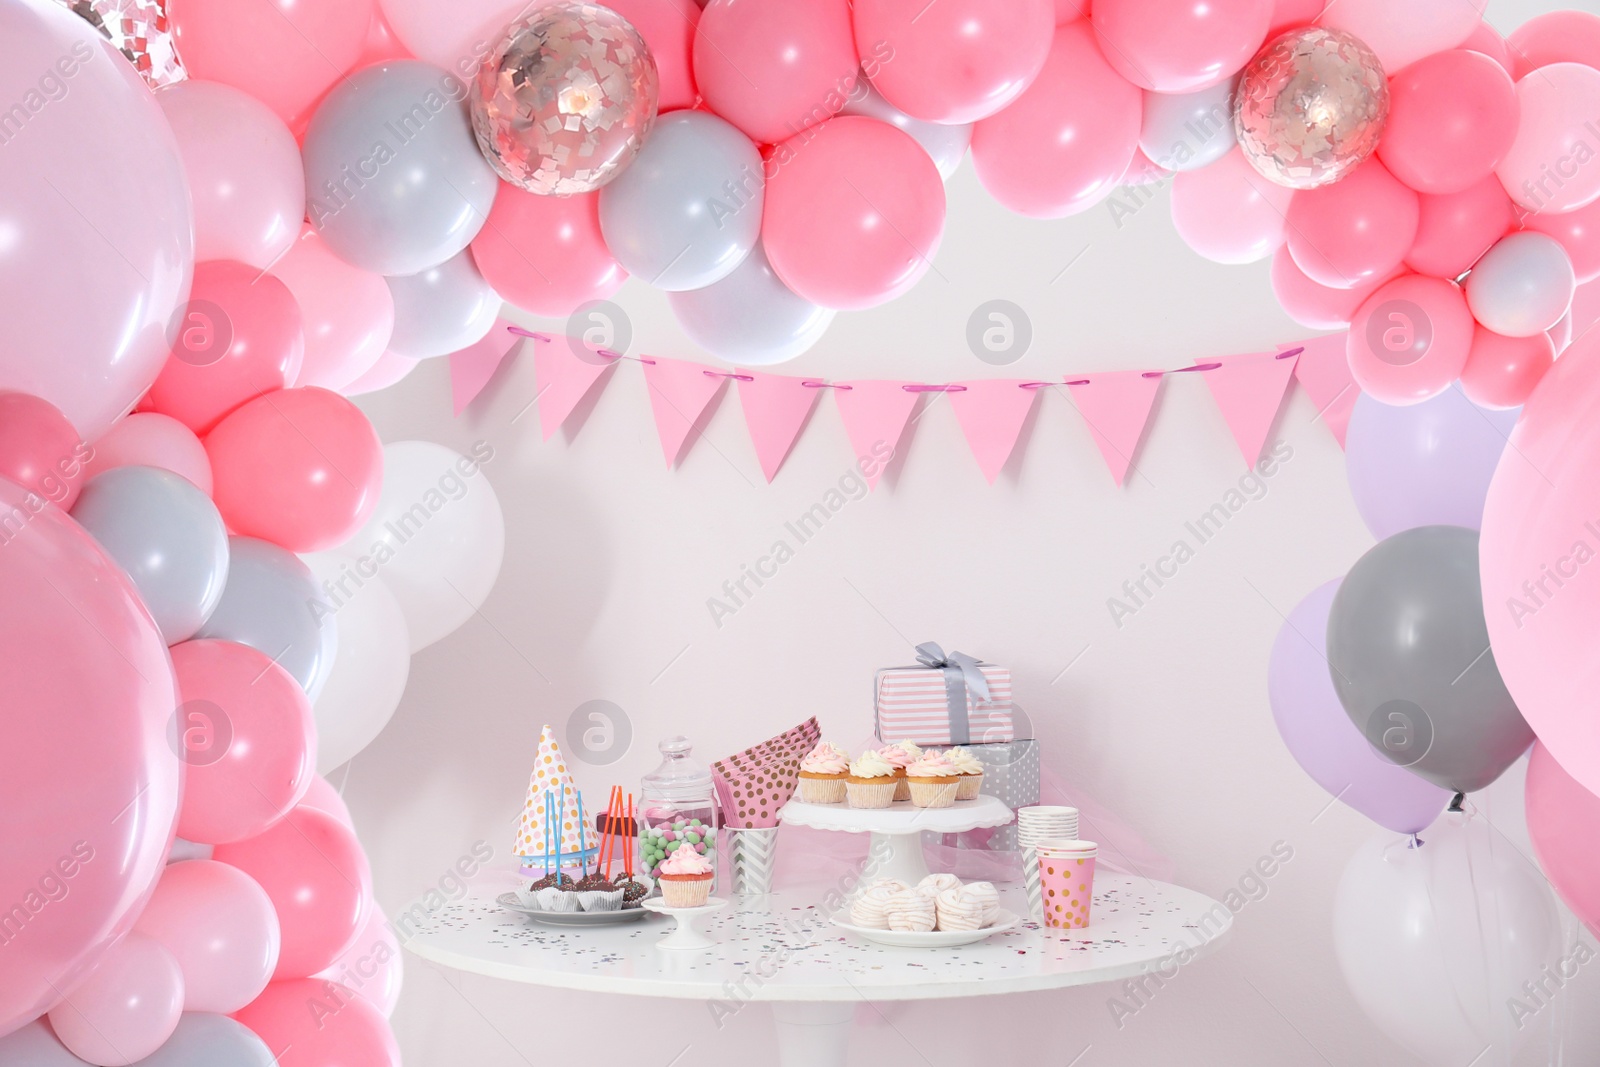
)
(780, 949)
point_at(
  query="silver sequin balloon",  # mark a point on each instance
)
(1310, 107)
(139, 30)
(564, 100)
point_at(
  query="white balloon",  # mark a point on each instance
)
(1187, 131)
(1436, 942)
(436, 537)
(750, 317)
(442, 310)
(945, 145)
(1523, 285)
(369, 673)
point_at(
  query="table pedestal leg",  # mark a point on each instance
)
(814, 1034)
(897, 856)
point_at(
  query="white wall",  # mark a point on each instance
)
(611, 558)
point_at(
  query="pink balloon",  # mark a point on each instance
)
(1180, 47)
(1548, 166)
(126, 1008)
(382, 43)
(150, 439)
(39, 449)
(955, 61)
(1064, 144)
(315, 1023)
(1314, 306)
(239, 336)
(1564, 823)
(1539, 541)
(1579, 233)
(1294, 14)
(244, 172)
(89, 783)
(389, 370)
(1143, 171)
(667, 27)
(1067, 10)
(348, 313)
(246, 732)
(1456, 229)
(775, 69)
(285, 53)
(853, 215)
(300, 468)
(220, 928)
(1452, 118)
(314, 872)
(1501, 372)
(1229, 213)
(325, 798)
(1401, 34)
(1555, 37)
(1353, 230)
(545, 254)
(1487, 39)
(97, 240)
(1410, 339)
(371, 968)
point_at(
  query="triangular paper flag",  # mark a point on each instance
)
(564, 377)
(1324, 370)
(1248, 391)
(1116, 405)
(679, 394)
(553, 782)
(991, 414)
(775, 410)
(874, 415)
(473, 366)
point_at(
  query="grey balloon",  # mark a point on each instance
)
(442, 309)
(206, 1040)
(1409, 652)
(945, 145)
(273, 604)
(169, 538)
(395, 182)
(750, 317)
(687, 211)
(1187, 131)
(35, 1046)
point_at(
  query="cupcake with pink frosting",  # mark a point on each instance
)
(685, 877)
(934, 781)
(823, 773)
(901, 755)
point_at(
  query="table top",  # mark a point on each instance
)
(782, 947)
(901, 818)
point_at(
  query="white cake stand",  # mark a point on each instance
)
(684, 937)
(896, 849)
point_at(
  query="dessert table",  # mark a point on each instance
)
(781, 950)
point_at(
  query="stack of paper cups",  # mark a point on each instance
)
(1035, 824)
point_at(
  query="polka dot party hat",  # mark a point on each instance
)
(552, 798)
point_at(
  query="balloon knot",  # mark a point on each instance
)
(1455, 802)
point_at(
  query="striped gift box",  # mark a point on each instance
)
(912, 704)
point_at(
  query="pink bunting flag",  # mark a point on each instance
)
(875, 416)
(1249, 390)
(775, 411)
(680, 394)
(991, 414)
(1324, 370)
(1116, 405)
(564, 372)
(472, 368)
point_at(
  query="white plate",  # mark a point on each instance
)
(932, 938)
(510, 902)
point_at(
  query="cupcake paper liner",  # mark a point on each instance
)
(870, 794)
(934, 794)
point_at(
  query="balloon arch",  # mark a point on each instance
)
(213, 572)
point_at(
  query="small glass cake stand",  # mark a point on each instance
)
(684, 936)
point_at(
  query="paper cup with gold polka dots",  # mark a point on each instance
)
(1066, 881)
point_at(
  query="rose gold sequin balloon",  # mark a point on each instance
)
(139, 30)
(564, 100)
(1310, 107)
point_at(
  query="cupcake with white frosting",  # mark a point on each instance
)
(971, 772)
(872, 781)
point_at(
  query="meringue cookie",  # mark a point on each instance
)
(935, 884)
(989, 896)
(870, 909)
(959, 909)
(910, 910)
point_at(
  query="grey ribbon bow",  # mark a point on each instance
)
(929, 654)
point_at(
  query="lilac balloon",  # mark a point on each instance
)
(1424, 465)
(1321, 737)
